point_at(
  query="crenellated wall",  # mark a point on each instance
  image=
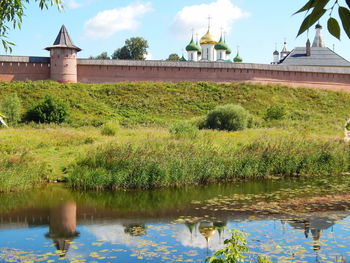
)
(102, 71)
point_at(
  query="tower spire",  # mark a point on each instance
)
(318, 40)
(209, 19)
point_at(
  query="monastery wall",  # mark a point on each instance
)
(100, 71)
(103, 71)
(14, 68)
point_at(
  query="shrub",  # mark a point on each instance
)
(11, 107)
(228, 117)
(198, 122)
(275, 113)
(110, 128)
(184, 129)
(50, 110)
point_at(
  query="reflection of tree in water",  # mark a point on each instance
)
(135, 230)
(63, 223)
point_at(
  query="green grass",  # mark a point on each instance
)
(145, 155)
(167, 162)
(162, 104)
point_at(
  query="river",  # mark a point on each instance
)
(289, 220)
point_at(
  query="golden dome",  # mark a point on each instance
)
(208, 38)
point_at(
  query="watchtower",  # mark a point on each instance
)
(63, 54)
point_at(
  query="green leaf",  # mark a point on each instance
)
(344, 15)
(307, 6)
(311, 19)
(333, 27)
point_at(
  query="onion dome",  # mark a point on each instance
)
(221, 45)
(228, 51)
(237, 59)
(192, 46)
(208, 38)
(276, 53)
(183, 58)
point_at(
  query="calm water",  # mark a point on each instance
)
(55, 224)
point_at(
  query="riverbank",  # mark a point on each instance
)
(154, 158)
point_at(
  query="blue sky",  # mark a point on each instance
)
(103, 25)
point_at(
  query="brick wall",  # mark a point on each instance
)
(102, 71)
(24, 68)
(99, 71)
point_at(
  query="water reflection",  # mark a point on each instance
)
(98, 227)
(62, 226)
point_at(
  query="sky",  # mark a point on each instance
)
(254, 26)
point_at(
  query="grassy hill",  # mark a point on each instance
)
(159, 104)
(308, 139)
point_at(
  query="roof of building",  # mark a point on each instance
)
(237, 59)
(192, 46)
(208, 38)
(63, 40)
(221, 45)
(320, 56)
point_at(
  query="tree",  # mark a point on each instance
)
(173, 57)
(103, 55)
(135, 48)
(11, 14)
(315, 9)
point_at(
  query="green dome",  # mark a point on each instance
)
(228, 51)
(192, 46)
(238, 59)
(183, 58)
(221, 45)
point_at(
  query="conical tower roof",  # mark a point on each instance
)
(63, 40)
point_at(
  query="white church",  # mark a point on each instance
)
(210, 50)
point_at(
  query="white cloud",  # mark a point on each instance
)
(107, 23)
(73, 4)
(223, 13)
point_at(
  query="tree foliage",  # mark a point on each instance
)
(315, 9)
(103, 55)
(11, 15)
(173, 57)
(135, 48)
(50, 110)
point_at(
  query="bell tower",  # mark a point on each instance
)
(63, 55)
